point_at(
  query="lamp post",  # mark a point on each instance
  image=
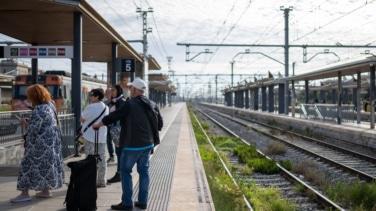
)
(216, 88)
(286, 12)
(145, 31)
(232, 72)
(247, 51)
(293, 94)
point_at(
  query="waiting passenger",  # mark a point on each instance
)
(95, 109)
(110, 146)
(117, 100)
(42, 167)
(136, 140)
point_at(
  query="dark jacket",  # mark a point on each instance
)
(136, 131)
(118, 103)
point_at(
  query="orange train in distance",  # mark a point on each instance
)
(59, 83)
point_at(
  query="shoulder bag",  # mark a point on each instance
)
(115, 133)
(92, 122)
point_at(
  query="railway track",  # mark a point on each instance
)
(335, 164)
(356, 163)
(285, 181)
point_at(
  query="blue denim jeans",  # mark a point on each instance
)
(128, 159)
(118, 152)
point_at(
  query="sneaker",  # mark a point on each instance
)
(115, 178)
(139, 205)
(20, 199)
(43, 195)
(121, 206)
(111, 160)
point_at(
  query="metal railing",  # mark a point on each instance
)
(327, 112)
(12, 131)
(68, 133)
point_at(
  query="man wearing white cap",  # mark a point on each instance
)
(137, 138)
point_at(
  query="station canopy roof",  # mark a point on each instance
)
(161, 82)
(349, 68)
(50, 23)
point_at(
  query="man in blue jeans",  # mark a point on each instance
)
(137, 140)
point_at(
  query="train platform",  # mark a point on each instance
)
(178, 180)
(351, 131)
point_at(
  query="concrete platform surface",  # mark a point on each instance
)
(178, 179)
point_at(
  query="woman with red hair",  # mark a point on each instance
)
(42, 168)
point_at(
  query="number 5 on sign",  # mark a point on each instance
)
(128, 65)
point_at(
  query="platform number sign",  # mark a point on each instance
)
(128, 65)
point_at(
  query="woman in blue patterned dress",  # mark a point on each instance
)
(42, 168)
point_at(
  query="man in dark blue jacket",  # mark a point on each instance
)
(137, 140)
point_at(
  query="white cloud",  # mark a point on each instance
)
(348, 22)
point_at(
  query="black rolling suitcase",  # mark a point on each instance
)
(82, 190)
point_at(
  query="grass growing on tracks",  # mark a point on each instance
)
(276, 148)
(261, 198)
(359, 196)
(310, 172)
(258, 163)
(287, 164)
(266, 198)
(225, 194)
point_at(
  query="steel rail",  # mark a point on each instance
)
(321, 198)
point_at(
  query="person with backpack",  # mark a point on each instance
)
(139, 134)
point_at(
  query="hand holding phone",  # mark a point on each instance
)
(22, 120)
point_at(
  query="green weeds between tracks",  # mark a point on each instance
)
(226, 195)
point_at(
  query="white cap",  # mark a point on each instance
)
(138, 84)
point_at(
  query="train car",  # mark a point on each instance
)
(59, 83)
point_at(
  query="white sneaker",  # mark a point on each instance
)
(21, 199)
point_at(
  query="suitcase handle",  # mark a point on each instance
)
(96, 131)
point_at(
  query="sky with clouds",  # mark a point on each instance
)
(311, 22)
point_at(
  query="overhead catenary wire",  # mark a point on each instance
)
(217, 35)
(159, 38)
(297, 20)
(123, 21)
(155, 43)
(231, 29)
(336, 19)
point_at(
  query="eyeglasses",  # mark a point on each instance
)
(91, 95)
